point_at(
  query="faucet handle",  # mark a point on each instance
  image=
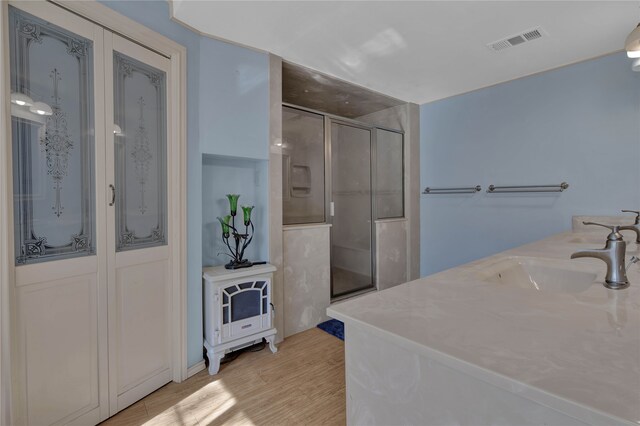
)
(615, 234)
(637, 215)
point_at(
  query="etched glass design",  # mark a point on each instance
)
(52, 139)
(140, 154)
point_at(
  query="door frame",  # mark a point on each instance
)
(329, 121)
(5, 247)
(177, 54)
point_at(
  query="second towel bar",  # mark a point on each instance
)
(469, 190)
(527, 188)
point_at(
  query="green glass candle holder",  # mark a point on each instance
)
(233, 203)
(246, 212)
(237, 241)
(224, 222)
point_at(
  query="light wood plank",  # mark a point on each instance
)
(302, 384)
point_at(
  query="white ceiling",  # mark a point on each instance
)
(418, 51)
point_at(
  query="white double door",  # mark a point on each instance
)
(92, 288)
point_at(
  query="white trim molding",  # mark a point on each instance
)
(5, 213)
(195, 369)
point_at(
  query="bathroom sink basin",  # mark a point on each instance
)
(546, 275)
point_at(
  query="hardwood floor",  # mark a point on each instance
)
(301, 384)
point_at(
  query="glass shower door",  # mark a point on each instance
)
(351, 209)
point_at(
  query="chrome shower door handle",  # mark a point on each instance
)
(113, 194)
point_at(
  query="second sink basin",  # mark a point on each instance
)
(547, 275)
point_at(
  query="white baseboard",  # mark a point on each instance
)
(195, 369)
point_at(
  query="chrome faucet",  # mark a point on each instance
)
(635, 227)
(613, 255)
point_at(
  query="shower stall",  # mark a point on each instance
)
(345, 173)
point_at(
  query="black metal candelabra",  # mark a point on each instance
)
(240, 240)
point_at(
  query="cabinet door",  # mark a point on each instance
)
(57, 137)
(139, 220)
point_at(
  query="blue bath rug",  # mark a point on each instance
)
(333, 327)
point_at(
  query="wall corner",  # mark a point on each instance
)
(413, 197)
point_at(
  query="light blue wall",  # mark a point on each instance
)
(579, 124)
(234, 100)
(227, 114)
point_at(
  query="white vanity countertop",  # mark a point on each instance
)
(575, 352)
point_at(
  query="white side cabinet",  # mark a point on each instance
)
(237, 310)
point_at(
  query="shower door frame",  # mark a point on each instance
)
(330, 119)
(329, 122)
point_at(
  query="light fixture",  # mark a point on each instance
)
(21, 99)
(116, 129)
(41, 108)
(632, 43)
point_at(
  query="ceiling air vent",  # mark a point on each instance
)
(516, 39)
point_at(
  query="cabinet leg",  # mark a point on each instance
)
(214, 358)
(272, 345)
(214, 362)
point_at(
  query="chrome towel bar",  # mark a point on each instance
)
(469, 190)
(493, 189)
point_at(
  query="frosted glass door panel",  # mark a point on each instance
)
(53, 140)
(351, 241)
(140, 154)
